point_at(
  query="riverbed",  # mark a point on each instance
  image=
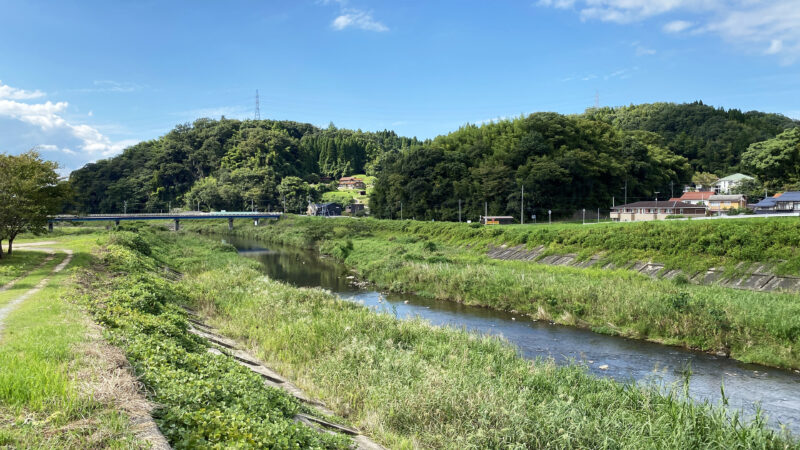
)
(747, 387)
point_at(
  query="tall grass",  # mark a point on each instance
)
(750, 326)
(418, 386)
(17, 264)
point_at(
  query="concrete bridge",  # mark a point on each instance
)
(177, 217)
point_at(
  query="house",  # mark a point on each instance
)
(720, 202)
(724, 185)
(351, 183)
(787, 202)
(694, 197)
(655, 210)
(355, 209)
(324, 209)
(497, 220)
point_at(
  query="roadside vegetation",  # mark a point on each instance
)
(18, 264)
(205, 399)
(447, 261)
(412, 385)
(55, 387)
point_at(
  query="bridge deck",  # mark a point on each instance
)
(165, 216)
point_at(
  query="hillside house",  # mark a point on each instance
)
(719, 203)
(724, 185)
(351, 183)
(653, 210)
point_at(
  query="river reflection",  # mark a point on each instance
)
(746, 385)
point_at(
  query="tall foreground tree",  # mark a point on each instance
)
(29, 193)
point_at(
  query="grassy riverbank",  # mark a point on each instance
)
(412, 257)
(55, 386)
(413, 385)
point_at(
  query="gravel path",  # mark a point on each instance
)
(5, 310)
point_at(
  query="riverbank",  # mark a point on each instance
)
(61, 384)
(434, 261)
(412, 385)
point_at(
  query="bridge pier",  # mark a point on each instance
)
(255, 222)
(177, 225)
(50, 226)
(230, 224)
(116, 223)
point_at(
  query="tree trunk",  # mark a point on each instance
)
(1, 249)
(10, 241)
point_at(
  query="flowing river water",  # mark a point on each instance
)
(747, 386)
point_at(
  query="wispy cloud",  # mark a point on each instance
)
(11, 93)
(111, 86)
(357, 19)
(350, 17)
(770, 27)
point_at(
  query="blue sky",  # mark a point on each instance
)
(81, 80)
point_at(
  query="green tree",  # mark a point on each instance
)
(704, 179)
(776, 161)
(29, 192)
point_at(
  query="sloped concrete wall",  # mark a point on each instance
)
(759, 277)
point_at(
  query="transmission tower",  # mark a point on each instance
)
(258, 108)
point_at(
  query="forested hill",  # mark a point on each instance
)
(712, 139)
(563, 162)
(229, 164)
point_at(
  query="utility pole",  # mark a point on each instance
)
(459, 210)
(485, 209)
(169, 211)
(765, 193)
(401, 210)
(549, 217)
(522, 207)
(626, 192)
(671, 189)
(252, 206)
(598, 215)
(584, 216)
(657, 204)
(125, 208)
(284, 203)
(612, 202)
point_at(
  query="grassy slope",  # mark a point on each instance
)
(414, 385)
(43, 403)
(205, 400)
(750, 326)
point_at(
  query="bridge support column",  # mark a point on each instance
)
(230, 224)
(50, 226)
(177, 225)
(116, 223)
(255, 222)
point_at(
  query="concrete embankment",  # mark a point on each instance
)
(756, 277)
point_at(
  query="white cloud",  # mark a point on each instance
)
(676, 26)
(18, 94)
(560, 4)
(357, 19)
(644, 51)
(48, 118)
(111, 86)
(771, 27)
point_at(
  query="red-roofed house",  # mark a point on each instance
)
(696, 198)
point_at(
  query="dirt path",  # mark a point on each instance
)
(11, 283)
(4, 311)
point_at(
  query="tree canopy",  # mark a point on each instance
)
(29, 192)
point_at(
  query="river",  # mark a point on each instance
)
(626, 360)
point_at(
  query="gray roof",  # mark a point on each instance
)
(789, 196)
(726, 198)
(736, 177)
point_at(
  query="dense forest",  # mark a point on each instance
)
(230, 164)
(564, 163)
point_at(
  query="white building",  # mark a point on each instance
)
(724, 185)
